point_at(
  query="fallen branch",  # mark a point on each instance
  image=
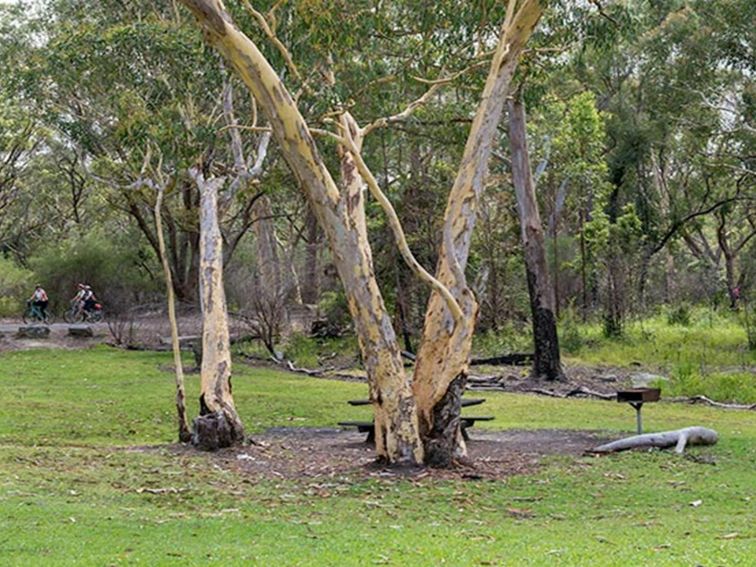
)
(169, 490)
(583, 391)
(678, 438)
(710, 402)
(316, 372)
(579, 391)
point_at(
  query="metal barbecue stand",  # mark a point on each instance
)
(636, 397)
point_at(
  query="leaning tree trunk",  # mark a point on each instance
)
(546, 361)
(444, 353)
(183, 425)
(218, 424)
(341, 216)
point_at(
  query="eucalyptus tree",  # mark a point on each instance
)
(675, 85)
(118, 84)
(546, 357)
(416, 419)
(18, 139)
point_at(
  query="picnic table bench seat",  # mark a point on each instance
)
(363, 427)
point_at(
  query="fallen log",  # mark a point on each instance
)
(514, 359)
(679, 438)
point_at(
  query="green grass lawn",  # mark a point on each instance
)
(69, 484)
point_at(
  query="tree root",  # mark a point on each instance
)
(679, 438)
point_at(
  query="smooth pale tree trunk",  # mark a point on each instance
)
(444, 354)
(218, 424)
(385, 351)
(342, 218)
(546, 360)
(183, 425)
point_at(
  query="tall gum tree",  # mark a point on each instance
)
(218, 424)
(433, 393)
(546, 359)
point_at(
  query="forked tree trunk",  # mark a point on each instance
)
(444, 353)
(546, 361)
(218, 424)
(342, 219)
(183, 425)
(442, 364)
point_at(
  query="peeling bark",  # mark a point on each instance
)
(219, 424)
(342, 218)
(444, 439)
(546, 360)
(446, 346)
(444, 352)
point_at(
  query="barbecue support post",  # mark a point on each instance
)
(638, 418)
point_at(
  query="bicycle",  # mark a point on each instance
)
(34, 314)
(77, 313)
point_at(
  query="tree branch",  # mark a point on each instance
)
(396, 227)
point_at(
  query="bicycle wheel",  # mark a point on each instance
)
(96, 316)
(72, 315)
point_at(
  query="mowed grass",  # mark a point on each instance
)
(71, 482)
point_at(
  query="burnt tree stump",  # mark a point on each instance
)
(214, 431)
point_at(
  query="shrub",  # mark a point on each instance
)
(570, 338)
(16, 284)
(687, 380)
(680, 315)
(335, 311)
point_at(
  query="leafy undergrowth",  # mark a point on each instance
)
(74, 490)
(709, 342)
(708, 355)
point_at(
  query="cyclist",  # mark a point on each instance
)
(78, 299)
(40, 301)
(89, 299)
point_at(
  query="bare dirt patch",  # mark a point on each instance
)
(318, 454)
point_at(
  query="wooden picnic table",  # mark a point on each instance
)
(466, 402)
(369, 426)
